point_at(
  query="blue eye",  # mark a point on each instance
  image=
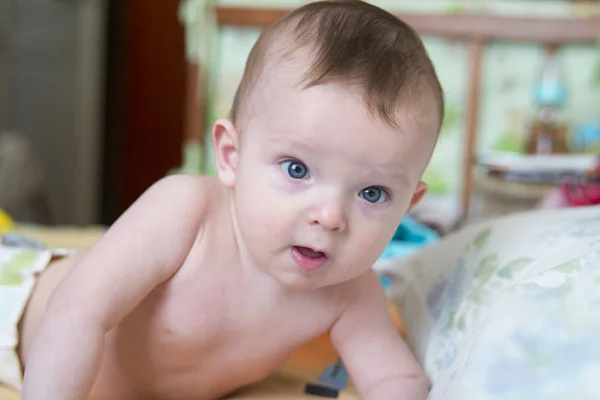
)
(374, 194)
(295, 169)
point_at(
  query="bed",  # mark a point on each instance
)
(492, 311)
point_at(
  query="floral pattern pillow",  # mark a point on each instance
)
(508, 309)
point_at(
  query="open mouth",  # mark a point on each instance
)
(307, 258)
(308, 252)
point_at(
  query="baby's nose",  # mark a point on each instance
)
(329, 215)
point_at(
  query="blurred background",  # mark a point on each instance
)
(101, 98)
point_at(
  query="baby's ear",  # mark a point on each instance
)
(225, 145)
(418, 194)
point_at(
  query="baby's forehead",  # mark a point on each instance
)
(282, 92)
(333, 120)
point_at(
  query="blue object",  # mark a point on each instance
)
(16, 240)
(550, 94)
(550, 89)
(333, 379)
(335, 376)
(409, 237)
(586, 137)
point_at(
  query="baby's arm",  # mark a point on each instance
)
(378, 360)
(144, 248)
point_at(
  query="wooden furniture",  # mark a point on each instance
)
(476, 30)
(145, 100)
(501, 197)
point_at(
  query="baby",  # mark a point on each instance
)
(208, 284)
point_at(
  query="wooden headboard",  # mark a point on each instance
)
(474, 29)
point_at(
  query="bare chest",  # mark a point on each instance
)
(215, 335)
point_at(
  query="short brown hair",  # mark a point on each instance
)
(354, 42)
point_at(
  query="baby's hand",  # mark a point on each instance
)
(378, 360)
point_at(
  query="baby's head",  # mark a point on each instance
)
(331, 129)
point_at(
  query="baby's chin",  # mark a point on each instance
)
(298, 283)
(308, 282)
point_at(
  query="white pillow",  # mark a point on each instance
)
(508, 309)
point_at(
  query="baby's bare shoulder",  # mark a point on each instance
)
(188, 186)
(193, 195)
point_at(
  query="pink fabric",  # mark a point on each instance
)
(587, 194)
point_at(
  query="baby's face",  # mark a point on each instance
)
(321, 184)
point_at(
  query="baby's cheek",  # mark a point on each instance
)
(264, 214)
(372, 240)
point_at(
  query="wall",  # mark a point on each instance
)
(508, 75)
(55, 49)
(4, 26)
